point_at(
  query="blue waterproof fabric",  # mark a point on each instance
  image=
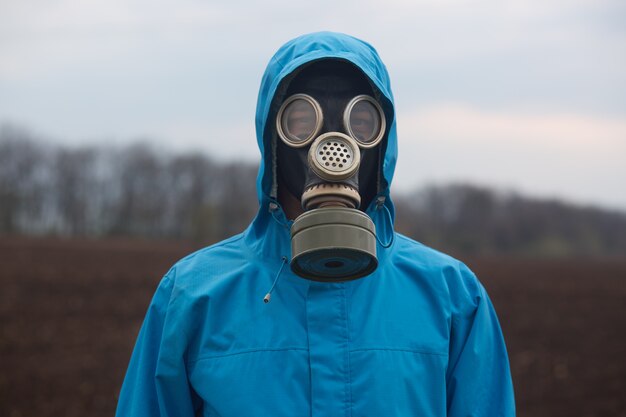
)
(418, 337)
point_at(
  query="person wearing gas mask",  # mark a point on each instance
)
(319, 308)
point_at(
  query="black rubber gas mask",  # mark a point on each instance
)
(329, 128)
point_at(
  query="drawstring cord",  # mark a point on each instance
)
(268, 296)
(273, 209)
(380, 203)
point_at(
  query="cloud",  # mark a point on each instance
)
(230, 141)
(576, 156)
(569, 133)
(527, 94)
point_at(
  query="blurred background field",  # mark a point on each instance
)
(70, 311)
(86, 234)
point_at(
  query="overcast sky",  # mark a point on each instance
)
(527, 95)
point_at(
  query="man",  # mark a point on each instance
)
(319, 308)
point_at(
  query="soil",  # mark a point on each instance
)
(70, 311)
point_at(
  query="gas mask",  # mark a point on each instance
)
(329, 128)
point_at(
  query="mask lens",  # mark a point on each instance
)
(366, 122)
(299, 120)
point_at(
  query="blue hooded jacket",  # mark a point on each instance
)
(418, 337)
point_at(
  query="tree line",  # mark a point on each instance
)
(134, 191)
(137, 191)
(467, 219)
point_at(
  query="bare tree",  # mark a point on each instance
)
(20, 180)
(136, 191)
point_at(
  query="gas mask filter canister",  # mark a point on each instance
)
(332, 240)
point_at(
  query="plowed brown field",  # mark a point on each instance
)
(70, 312)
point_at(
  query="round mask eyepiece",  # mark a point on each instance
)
(299, 120)
(364, 120)
(334, 156)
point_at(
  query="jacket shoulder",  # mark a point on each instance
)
(423, 254)
(429, 262)
(209, 261)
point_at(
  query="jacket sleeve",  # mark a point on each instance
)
(478, 377)
(156, 380)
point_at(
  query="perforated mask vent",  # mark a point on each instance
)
(334, 156)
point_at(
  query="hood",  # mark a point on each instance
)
(284, 64)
